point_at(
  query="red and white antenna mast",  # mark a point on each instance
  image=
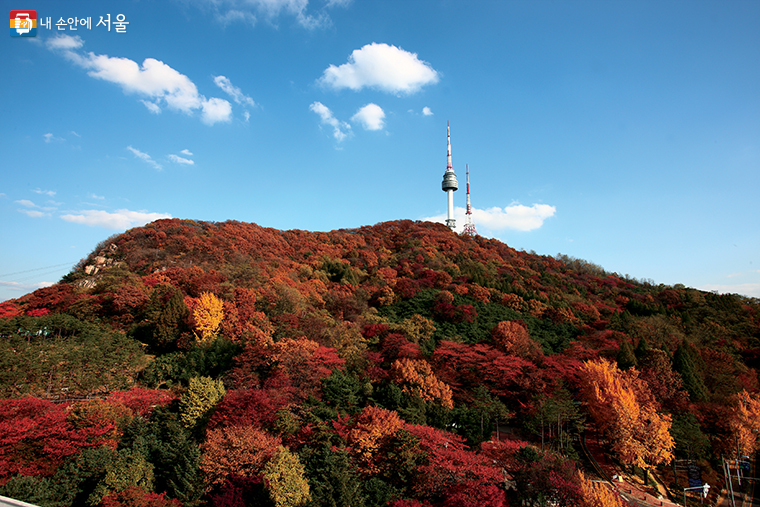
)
(469, 227)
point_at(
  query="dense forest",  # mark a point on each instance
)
(226, 364)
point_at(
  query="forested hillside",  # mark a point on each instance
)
(226, 364)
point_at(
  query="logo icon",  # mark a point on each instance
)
(23, 23)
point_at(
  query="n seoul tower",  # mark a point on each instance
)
(449, 184)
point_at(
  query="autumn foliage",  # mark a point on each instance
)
(208, 314)
(229, 364)
(623, 409)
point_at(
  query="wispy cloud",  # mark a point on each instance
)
(119, 220)
(187, 152)
(341, 129)
(251, 11)
(233, 91)
(371, 117)
(145, 157)
(157, 82)
(49, 138)
(426, 111)
(516, 217)
(33, 213)
(34, 210)
(25, 287)
(383, 67)
(51, 193)
(181, 160)
(153, 107)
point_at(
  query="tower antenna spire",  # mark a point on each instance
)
(450, 184)
(469, 227)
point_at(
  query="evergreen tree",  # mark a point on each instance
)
(685, 364)
(626, 358)
(173, 453)
(334, 481)
(165, 319)
(642, 349)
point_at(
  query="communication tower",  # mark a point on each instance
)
(450, 184)
(469, 227)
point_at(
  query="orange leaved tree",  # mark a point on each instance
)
(745, 423)
(597, 494)
(416, 377)
(368, 433)
(624, 410)
(236, 451)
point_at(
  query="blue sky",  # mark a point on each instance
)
(626, 133)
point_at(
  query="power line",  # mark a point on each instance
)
(38, 269)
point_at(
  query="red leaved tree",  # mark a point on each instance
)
(36, 437)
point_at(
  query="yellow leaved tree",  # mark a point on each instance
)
(202, 394)
(285, 477)
(208, 315)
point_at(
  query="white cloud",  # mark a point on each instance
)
(99, 197)
(144, 156)
(120, 220)
(215, 110)
(187, 152)
(51, 193)
(75, 134)
(153, 79)
(426, 111)
(381, 66)
(27, 203)
(181, 160)
(493, 220)
(370, 116)
(25, 287)
(340, 129)
(233, 91)
(246, 116)
(33, 213)
(64, 42)
(514, 216)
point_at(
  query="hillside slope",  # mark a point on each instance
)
(350, 358)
